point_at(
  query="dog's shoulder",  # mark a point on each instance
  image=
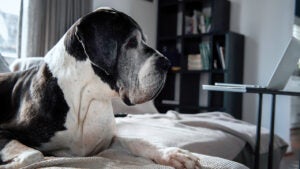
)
(13, 86)
(32, 105)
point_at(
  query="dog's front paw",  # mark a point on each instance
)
(177, 158)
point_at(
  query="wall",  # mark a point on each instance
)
(144, 12)
(267, 26)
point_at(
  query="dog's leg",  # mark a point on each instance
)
(16, 155)
(170, 156)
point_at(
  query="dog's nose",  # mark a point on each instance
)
(163, 63)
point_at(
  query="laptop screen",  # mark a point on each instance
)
(286, 66)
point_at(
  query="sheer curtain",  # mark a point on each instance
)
(44, 22)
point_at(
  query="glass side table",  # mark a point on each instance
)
(260, 91)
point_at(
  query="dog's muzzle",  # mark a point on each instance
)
(151, 79)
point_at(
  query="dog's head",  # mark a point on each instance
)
(116, 48)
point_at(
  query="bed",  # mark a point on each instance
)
(215, 134)
(217, 138)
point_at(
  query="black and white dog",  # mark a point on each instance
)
(63, 106)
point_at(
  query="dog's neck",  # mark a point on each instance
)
(77, 79)
(67, 68)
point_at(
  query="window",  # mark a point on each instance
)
(9, 24)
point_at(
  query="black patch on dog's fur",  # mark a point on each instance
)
(41, 106)
(101, 35)
(108, 79)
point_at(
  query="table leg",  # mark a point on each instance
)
(270, 159)
(258, 131)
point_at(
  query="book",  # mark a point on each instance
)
(195, 21)
(220, 50)
(202, 26)
(207, 18)
(188, 25)
(194, 62)
(205, 52)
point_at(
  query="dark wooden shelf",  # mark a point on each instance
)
(169, 38)
(200, 35)
(190, 1)
(215, 71)
(185, 85)
(162, 105)
(219, 71)
(194, 71)
(169, 4)
(189, 36)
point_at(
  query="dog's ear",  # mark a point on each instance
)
(98, 45)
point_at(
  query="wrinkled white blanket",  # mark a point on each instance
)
(125, 161)
(213, 134)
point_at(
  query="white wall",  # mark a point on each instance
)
(144, 12)
(267, 26)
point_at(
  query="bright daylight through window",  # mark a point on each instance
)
(9, 24)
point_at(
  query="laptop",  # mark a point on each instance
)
(286, 66)
(284, 69)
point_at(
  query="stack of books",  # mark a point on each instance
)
(194, 62)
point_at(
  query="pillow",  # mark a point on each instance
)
(4, 67)
(25, 63)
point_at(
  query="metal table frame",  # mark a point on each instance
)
(261, 92)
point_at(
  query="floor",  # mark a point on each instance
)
(289, 161)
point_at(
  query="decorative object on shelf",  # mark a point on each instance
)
(199, 22)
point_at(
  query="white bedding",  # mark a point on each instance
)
(213, 134)
(125, 161)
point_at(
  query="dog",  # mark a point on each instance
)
(62, 107)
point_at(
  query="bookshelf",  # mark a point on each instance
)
(195, 36)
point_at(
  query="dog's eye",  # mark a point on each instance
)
(132, 43)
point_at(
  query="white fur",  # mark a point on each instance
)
(146, 75)
(90, 122)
